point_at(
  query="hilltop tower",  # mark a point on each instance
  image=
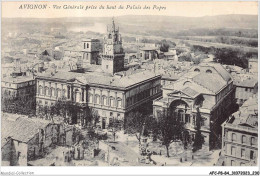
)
(113, 53)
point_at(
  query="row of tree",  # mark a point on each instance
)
(166, 128)
(25, 106)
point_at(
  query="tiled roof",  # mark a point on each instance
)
(247, 115)
(103, 78)
(220, 69)
(210, 81)
(19, 127)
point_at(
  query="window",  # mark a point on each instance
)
(51, 91)
(106, 66)
(90, 98)
(197, 70)
(232, 163)
(87, 45)
(119, 103)
(243, 153)
(104, 100)
(252, 141)
(97, 99)
(111, 113)
(84, 45)
(252, 155)
(208, 71)
(243, 139)
(234, 137)
(58, 93)
(111, 102)
(233, 151)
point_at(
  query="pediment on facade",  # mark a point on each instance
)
(179, 94)
(77, 81)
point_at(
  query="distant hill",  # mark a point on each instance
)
(144, 24)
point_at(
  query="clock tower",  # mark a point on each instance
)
(113, 54)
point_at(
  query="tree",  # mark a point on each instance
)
(169, 129)
(139, 125)
(199, 139)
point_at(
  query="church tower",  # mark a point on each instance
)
(113, 53)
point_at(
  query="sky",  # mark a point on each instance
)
(188, 9)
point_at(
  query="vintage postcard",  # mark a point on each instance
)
(130, 84)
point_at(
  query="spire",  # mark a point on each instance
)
(113, 24)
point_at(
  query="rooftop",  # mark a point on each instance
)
(18, 79)
(247, 116)
(95, 78)
(19, 127)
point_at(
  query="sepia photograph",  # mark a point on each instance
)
(129, 84)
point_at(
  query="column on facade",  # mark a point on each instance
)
(108, 98)
(94, 96)
(101, 98)
(71, 93)
(115, 100)
(123, 100)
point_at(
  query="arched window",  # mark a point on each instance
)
(51, 91)
(45, 89)
(208, 71)
(97, 99)
(111, 101)
(40, 90)
(119, 102)
(58, 93)
(63, 92)
(197, 70)
(77, 95)
(90, 98)
(104, 100)
(187, 83)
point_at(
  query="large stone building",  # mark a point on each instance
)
(22, 87)
(208, 88)
(90, 52)
(240, 136)
(111, 96)
(113, 52)
(246, 87)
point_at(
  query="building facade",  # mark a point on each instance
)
(206, 89)
(111, 96)
(240, 136)
(245, 88)
(90, 52)
(22, 87)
